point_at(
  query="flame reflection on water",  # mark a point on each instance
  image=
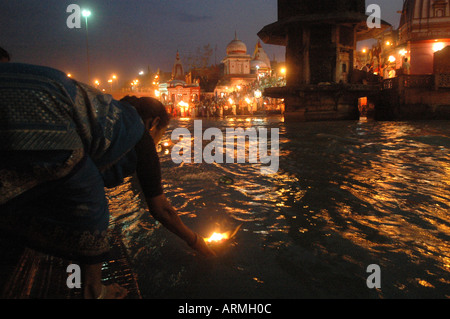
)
(347, 195)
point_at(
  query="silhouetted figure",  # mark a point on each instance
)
(406, 66)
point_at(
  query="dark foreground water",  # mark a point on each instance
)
(347, 195)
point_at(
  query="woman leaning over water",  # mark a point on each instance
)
(61, 143)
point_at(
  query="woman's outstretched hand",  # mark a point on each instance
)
(200, 246)
(167, 215)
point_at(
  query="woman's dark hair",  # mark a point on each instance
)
(4, 55)
(149, 109)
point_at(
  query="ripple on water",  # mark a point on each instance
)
(347, 195)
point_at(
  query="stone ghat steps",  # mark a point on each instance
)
(40, 276)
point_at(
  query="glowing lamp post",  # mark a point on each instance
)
(86, 14)
(114, 78)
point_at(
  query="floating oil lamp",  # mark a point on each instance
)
(164, 146)
(219, 238)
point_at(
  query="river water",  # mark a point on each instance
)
(346, 195)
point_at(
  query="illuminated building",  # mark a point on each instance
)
(237, 68)
(179, 94)
(237, 61)
(424, 29)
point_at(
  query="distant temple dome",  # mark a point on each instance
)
(260, 58)
(236, 47)
(236, 68)
(258, 64)
(424, 20)
(425, 9)
(424, 30)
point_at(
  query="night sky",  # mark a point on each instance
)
(127, 36)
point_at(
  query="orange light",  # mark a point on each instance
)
(438, 46)
(216, 237)
(222, 237)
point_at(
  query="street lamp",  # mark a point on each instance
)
(117, 81)
(86, 14)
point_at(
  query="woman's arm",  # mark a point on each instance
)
(166, 214)
(149, 174)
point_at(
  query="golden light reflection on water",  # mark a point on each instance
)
(377, 193)
(403, 200)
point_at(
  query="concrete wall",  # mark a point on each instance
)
(414, 101)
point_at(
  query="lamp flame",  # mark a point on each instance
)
(216, 237)
(221, 237)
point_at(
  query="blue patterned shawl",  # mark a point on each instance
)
(42, 109)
